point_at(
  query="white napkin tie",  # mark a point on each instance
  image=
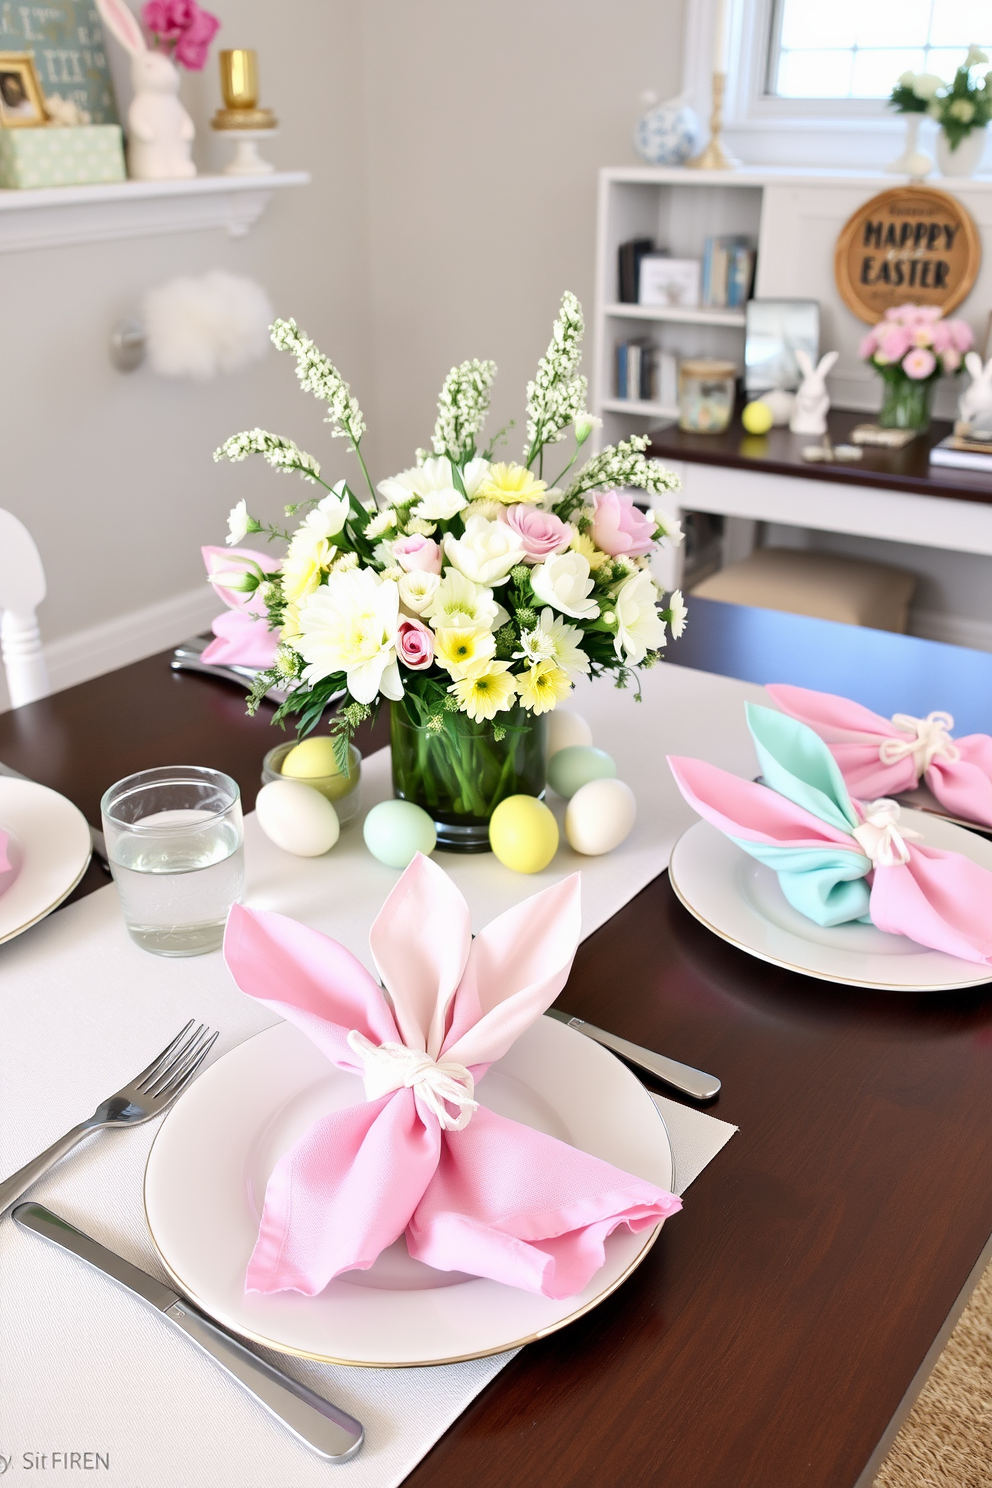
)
(929, 737)
(439, 1083)
(878, 836)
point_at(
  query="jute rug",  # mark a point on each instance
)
(946, 1442)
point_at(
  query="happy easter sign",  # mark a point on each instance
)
(911, 245)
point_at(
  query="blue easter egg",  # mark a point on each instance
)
(395, 831)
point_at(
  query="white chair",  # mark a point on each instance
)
(22, 588)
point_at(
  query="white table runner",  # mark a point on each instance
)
(84, 1367)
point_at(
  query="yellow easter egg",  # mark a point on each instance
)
(311, 758)
(757, 417)
(523, 833)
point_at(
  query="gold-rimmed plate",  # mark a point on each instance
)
(740, 900)
(53, 841)
(210, 1162)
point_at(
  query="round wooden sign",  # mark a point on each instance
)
(908, 246)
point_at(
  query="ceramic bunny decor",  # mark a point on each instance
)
(809, 416)
(975, 403)
(160, 131)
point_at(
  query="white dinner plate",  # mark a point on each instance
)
(55, 842)
(741, 900)
(210, 1162)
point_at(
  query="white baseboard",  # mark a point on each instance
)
(118, 642)
(956, 630)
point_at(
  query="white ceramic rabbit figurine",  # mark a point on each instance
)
(975, 404)
(809, 416)
(160, 131)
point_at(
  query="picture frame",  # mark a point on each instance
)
(669, 281)
(66, 40)
(22, 103)
(774, 331)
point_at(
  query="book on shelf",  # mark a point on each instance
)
(646, 374)
(629, 257)
(957, 453)
(728, 272)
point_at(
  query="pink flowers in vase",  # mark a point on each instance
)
(182, 29)
(918, 341)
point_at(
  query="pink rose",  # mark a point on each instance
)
(192, 46)
(417, 552)
(619, 528)
(940, 336)
(541, 532)
(415, 645)
(919, 364)
(895, 342)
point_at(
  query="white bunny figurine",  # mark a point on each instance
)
(809, 416)
(975, 403)
(160, 131)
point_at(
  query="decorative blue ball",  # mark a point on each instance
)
(667, 134)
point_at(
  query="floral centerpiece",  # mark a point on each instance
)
(911, 348)
(467, 591)
(962, 108)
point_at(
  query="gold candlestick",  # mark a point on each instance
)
(239, 85)
(714, 156)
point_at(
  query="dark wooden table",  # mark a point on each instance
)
(776, 1329)
(780, 453)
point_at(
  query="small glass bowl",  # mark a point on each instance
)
(343, 791)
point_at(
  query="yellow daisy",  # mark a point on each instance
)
(543, 686)
(510, 485)
(594, 556)
(484, 694)
(302, 569)
(463, 652)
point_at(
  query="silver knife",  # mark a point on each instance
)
(97, 841)
(188, 657)
(331, 1432)
(694, 1082)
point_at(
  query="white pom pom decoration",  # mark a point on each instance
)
(200, 327)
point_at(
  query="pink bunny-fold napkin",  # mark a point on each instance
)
(241, 633)
(472, 1191)
(9, 862)
(882, 758)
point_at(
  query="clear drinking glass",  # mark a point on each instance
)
(175, 840)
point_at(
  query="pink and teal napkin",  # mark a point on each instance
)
(882, 757)
(471, 1191)
(839, 859)
(241, 633)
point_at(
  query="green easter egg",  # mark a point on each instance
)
(572, 768)
(395, 831)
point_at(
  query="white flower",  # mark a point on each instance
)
(349, 625)
(458, 603)
(624, 464)
(319, 376)
(975, 55)
(417, 589)
(381, 524)
(473, 475)
(433, 483)
(564, 582)
(670, 532)
(563, 639)
(925, 84)
(462, 408)
(328, 516)
(640, 628)
(584, 425)
(417, 525)
(557, 396)
(237, 523)
(676, 613)
(535, 645)
(487, 551)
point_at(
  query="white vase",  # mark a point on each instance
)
(912, 162)
(964, 160)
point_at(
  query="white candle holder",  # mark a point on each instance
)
(247, 161)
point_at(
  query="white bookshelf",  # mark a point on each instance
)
(794, 217)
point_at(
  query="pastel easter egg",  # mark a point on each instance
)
(573, 767)
(395, 831)
(297, 818)
(600, 816)
(523, 834)
(314, 761)
(565, 728)
(757, 417)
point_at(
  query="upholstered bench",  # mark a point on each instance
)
(826, 585)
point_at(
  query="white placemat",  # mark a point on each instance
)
(84, 1367)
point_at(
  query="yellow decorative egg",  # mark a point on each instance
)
(523, 834)
(757, 417)
(314, 756)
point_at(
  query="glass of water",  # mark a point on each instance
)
(175, 840)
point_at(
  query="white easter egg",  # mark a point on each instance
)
(566, 728)
(297, 818)
(599, 816)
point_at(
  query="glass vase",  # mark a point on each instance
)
(459, 770)
(906, 403)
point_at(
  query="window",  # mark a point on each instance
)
(858, 48)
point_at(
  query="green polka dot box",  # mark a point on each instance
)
(80, 155)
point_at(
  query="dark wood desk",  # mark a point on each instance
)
(772, 1333)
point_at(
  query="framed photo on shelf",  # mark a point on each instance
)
(22, 105)
(65, 39)
(669, 281)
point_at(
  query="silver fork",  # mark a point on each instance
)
(147, 1095)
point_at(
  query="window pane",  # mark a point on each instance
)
(815, 74)
(876, 71)
(958, 22)
(894, 23)
(806, 25)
